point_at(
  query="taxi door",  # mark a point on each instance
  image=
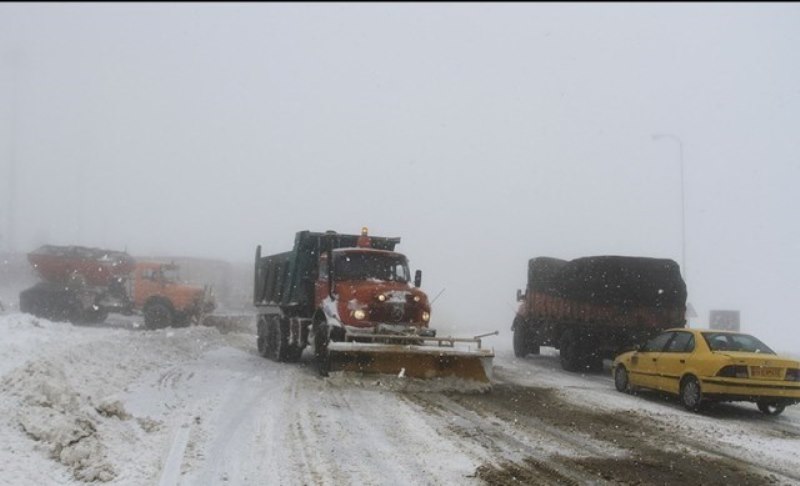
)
(644, 363)
(673, 361)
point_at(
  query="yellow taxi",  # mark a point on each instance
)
(702, 365)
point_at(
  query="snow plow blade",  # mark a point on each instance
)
(427, 358)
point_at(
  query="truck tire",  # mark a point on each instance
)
(95, 316)
(282, 349)
(261, 337)
(571, 352)
(520, 338)
(321, 355)
(157, 315)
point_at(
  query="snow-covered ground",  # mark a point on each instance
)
(122, 405)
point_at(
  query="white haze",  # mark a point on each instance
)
(483, 135)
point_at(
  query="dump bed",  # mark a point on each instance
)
(57, 264)
(287, 279)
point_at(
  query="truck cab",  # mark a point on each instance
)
(163, 299)
(368, 289)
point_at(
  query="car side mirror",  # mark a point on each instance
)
(520, 297)
(417, 278)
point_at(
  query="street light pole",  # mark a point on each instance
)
(659, 136)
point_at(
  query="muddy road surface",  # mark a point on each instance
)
(124, 405)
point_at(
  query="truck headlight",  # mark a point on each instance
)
(381, 297)
(359, 314)
(416, 298)
(426, 316)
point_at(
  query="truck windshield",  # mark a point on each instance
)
(365, 266)
(170, 274)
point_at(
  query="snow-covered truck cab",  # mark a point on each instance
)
(369, 290)
(158, 292)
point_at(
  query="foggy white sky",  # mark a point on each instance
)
(483, 135)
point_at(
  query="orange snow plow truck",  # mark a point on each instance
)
(349, 297)
(82, 285)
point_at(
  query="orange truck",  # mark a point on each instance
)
(353, 300)
(82, 285)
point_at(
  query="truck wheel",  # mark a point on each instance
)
(321, 355)
(157, 315)
(570, 352)
(95, 316)
(282, 348)
(520, 338)
(261, 338)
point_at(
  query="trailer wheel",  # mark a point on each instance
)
(157, 315)
(570, 352)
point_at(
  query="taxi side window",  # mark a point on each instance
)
(656, 344)
(682, 343)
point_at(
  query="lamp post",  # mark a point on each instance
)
(659, 136)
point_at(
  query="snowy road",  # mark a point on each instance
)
(194, 406)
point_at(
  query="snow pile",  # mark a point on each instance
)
(61, 416)
(62, 420)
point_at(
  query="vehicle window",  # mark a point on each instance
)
(366, 266)
(169, 274)
(718, 341)
(681, 343)
(657, 343)
(323, 269)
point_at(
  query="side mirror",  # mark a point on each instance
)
(520, 297)
(417, 278)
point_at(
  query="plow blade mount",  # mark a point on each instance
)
(416, 361)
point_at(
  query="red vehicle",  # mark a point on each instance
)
(351, 298)
(594, 308)
(84, 284)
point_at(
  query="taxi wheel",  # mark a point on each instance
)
(621, 381)
(691, 395)
(771, 408)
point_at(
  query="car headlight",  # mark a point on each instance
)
(359, 314)
(426, 316)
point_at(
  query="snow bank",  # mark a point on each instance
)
(60, 415)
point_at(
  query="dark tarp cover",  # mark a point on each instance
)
(610, 280)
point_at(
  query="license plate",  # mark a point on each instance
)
(765, 372)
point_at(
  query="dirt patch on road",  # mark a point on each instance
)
(600, 447)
